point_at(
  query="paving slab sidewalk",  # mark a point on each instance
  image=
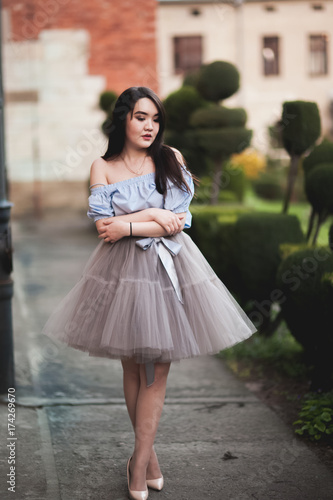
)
(73, 433)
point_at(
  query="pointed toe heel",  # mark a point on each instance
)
(135, 495)
(155, 484)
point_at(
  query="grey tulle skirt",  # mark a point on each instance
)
(126, 305)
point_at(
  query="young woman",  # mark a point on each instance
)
(147, 295)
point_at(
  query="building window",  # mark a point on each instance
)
(187, 53)
(318, 55)
(270, 55)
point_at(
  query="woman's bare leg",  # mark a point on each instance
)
(144, 406)
(131, 382)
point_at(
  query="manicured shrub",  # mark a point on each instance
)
(218, 80)
(318, 183)
(323, 153)
(186, 143)
(218, 116)
(192, 77)
(213, 231)
(243, 248)
(319, 187)
(300, 126)
(268, 186)
(305, 279)
(223, 142)
(106, 100)
(218, 131)
(258, 237)
(179, 105)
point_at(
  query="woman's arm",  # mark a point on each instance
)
(170, 222)
(167, 219)
(117, 229)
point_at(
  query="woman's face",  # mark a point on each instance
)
(142, 129)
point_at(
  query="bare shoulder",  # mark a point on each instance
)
(181, 159)
(98, 172)
(178, 154)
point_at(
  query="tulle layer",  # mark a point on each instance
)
(125, 305)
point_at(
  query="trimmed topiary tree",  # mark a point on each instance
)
(318, 180)
(322, 153)
(219, 117)
(191, 78)
(218, 81)
(179, 106)
(187, 144)
(300, 125)
(319, 191)
(106, 102)
(219, 131)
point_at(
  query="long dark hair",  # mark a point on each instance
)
(166, 163)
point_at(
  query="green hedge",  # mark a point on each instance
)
(243, 249)
(305, 279)
(213, 232)
(258, 237)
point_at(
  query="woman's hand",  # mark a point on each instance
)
(170, 222)
(112, 230)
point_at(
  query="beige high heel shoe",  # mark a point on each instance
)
(135, 495)
(155, 484)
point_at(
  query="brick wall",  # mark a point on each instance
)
(122, 34)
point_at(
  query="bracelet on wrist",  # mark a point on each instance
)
(130, 228)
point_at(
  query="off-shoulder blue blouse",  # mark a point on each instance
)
(138, 193)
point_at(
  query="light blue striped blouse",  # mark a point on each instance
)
(139, 193)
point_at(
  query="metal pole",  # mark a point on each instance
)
(6, 283)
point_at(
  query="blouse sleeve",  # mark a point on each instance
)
(100, 204)
(178, 200)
